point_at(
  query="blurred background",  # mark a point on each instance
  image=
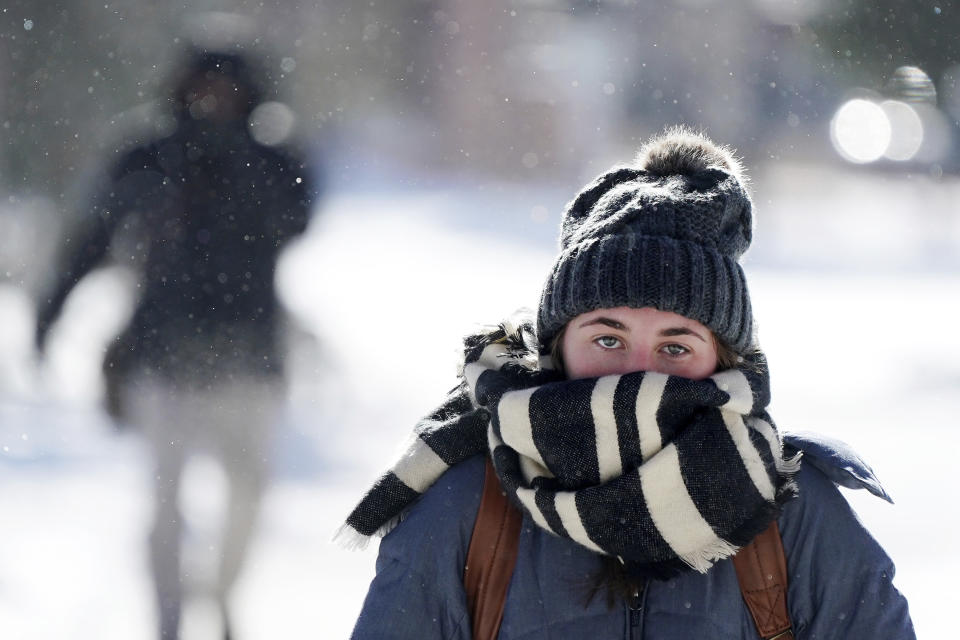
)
(448, 135)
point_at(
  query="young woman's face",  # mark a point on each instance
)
(624, 340)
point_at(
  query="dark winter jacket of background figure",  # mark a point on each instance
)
(205, 213)
(840, 580)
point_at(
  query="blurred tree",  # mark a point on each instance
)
(68, 68)
(869, 39)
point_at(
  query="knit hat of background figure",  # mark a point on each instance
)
(666, 231)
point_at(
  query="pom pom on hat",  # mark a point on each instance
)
(681, 150)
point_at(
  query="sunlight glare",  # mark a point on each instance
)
(860, 131)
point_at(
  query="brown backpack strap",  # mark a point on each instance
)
(762, 573)
(491, 557)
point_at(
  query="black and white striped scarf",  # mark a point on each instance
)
(660, 471)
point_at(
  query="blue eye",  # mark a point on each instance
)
(676, 350)
(608, 342)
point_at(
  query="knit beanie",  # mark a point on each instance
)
(665, 231)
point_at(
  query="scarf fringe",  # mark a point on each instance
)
(702, 559)
(349, 538)
(789, 467)
(346, 537)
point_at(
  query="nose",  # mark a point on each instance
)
(642, 360)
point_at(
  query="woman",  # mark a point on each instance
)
(629, 427)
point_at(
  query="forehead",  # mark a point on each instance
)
(643, 317)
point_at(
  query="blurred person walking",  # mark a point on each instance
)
(205, 212)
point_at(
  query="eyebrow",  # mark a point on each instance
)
(681, 331)
(609, 322)
(666, 333)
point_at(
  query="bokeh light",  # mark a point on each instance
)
(271, 123)
(860, 131)
(912, 84)
(909, 126)
(906, 130)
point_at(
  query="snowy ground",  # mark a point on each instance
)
(855, 286)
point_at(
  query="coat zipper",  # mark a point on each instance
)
(636, 605)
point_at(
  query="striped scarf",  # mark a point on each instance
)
(660, 471)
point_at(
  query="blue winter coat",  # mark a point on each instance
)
(840, 578)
